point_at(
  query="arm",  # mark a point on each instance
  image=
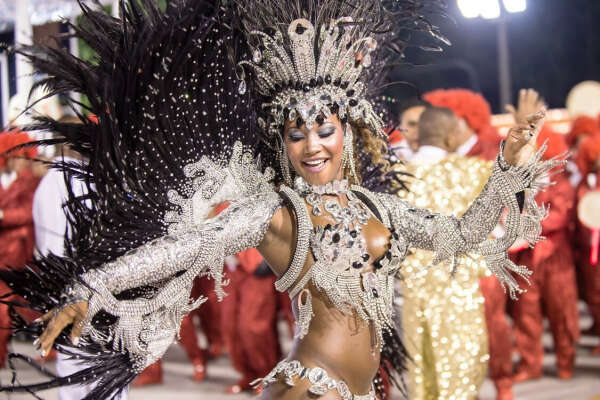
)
(148, 323)
(147, 326)
(449, 236)
(18, 216)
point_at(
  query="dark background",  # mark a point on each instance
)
(554, 45)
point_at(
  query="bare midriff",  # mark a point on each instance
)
(341, 344)
(336, 342)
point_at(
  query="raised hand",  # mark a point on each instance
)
(520, 142)
(529, 103)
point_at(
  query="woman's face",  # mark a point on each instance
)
(316, 154)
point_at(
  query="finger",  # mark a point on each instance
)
(46, 317)
(77, 329)
(536, 117)
(54, 329)
(522, 95)
(510, 108)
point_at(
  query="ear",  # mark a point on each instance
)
(449, 141)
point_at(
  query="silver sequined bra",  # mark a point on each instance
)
(195, 246)
(342, 264)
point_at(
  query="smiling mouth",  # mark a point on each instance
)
(315, 165)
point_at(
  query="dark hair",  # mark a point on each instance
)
(433, 124)
(410, 103)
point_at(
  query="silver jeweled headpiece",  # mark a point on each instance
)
(317, 76)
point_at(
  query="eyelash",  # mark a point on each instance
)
(324, 134)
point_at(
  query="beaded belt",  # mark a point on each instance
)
(321, 383)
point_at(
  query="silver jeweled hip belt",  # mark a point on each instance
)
(321, 383)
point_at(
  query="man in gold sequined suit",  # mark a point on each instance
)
(443, 317)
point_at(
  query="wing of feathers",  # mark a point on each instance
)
(164, 92)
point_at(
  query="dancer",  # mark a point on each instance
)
(409, 113)
(174, 112)
(442, 316)
(474, 139)
(250, 328)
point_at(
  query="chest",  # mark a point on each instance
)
(349, 238)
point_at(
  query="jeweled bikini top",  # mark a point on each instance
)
(341, 269)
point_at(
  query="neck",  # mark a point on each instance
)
(334, 187)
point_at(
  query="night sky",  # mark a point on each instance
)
(553, 45)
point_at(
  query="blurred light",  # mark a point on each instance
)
(490, 9)
(469, 8)
(515, 6)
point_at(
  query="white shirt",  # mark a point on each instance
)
(466, 147)
(7, 178)
(402, 151)
(49, 218)
(429, 155)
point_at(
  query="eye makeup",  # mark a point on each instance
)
(296, 135)
(326, 130)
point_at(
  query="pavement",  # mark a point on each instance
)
(178, 383)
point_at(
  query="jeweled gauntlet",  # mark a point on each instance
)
(147, 324)
(448, 236)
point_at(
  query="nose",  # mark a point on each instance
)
(312, 145)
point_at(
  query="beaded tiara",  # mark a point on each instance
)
(319, 75)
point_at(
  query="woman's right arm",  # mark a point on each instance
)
(176, 259)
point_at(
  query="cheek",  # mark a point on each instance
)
(334, 145)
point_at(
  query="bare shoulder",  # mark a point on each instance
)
(278, 244)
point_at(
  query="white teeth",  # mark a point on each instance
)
(314, 163)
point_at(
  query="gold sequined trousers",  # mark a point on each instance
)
(443, 317)
(446, 335)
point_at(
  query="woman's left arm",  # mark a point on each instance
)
(506, 188)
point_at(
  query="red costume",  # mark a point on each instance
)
(475, 110)
(582, 127)
(484, 149)
(553, 286)
(587, 160)
(250, 325)
(209, 316)
(16, 226)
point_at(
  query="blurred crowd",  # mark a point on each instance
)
(446, 140)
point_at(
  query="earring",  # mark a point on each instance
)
(348, 154)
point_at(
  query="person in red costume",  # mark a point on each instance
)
(473, 140)
(17, 187)
(250, 328)
(553, 289)
(582, 127)
(588, 161)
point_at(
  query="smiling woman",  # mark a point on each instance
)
(168, 145)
